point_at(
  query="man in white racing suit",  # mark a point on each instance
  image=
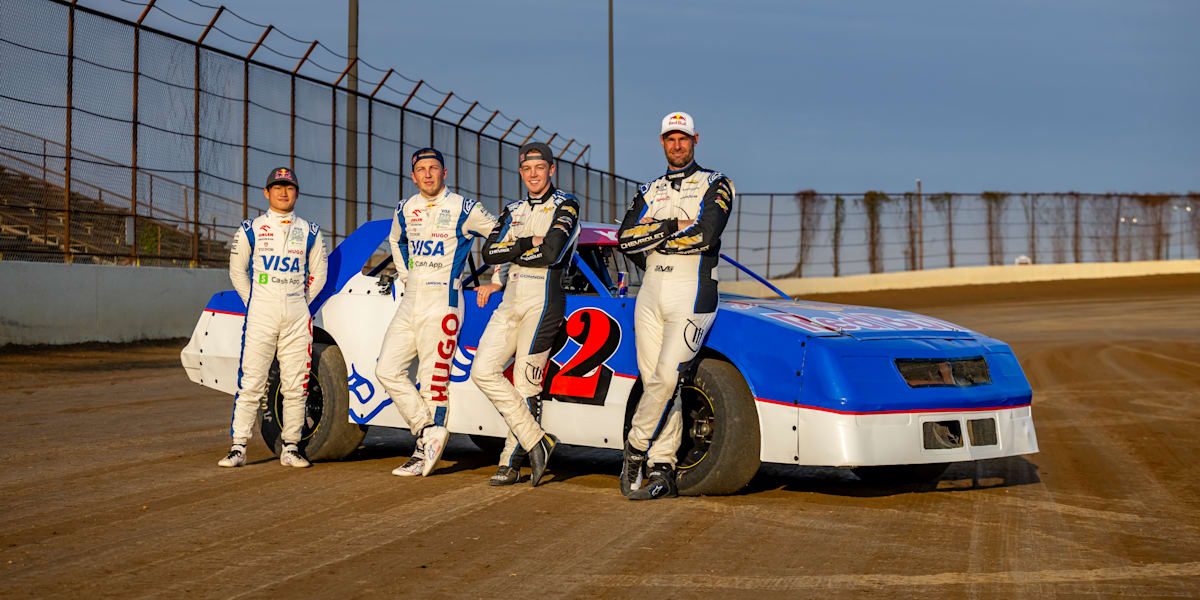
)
(277, 265)
(536, 235)
(673, 230)
(431, 239)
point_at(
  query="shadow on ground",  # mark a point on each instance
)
(570, 462)
(962, 476)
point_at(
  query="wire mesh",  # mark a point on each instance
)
(128, 145)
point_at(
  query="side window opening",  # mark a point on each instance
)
(605, 262)
(380, 261)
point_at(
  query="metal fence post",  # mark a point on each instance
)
(602, 197)
(352, 209)
(500, 170)
(770, 217)
(737, 238)
(920, 228)
(45, 189)
(499, 177)
(333, 164)
(196, 158)
(950, 227)
(1033, 228)
(196, 143)
(1075, 245)
(67, 155)
(370, 137)
(457, 150)
(133, 172)
(246, 123)
(1116, 251)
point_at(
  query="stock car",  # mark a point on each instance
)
(892, 395)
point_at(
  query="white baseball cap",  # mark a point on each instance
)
(678, 121)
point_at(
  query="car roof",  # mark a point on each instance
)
(592, 233)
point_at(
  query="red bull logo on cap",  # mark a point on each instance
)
(678, 121)
(284, 174)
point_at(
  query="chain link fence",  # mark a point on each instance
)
(808, 234)
(122, 144)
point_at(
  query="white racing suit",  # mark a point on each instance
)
(277, 265)
(678, 299)
(430, 242)
(530, 314)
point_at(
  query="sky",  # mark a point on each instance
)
(1020, 96)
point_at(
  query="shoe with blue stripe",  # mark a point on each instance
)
(659, 483)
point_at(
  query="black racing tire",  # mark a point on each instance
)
(900, 474)
(720, 450)
(490, 446)
(327, 433)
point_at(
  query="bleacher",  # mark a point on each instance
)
(33, 220)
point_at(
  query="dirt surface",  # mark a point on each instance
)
(109, 488)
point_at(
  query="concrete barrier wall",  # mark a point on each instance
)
(51, 303)
(960, 276)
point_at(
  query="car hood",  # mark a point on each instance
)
(824, 319)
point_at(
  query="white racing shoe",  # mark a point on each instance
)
(235, 458)
(293, 457)
(434, 440)
(415, 466)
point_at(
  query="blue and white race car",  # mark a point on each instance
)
(892, 394)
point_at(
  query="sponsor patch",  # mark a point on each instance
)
(639, 230)
(534, 374)
(693, 336)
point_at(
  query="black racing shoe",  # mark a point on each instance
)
(505, 475)
(660, 483)
(539, 457)
(633, 469)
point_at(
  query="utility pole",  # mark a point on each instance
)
(351, 120)
(612, 136)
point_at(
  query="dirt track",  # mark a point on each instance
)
(109, 488)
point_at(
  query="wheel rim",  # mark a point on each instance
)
(314, 407)
(699, 423)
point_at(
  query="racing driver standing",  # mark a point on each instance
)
(277, 265)
(673, 230)
(431, 239)
(537, 235)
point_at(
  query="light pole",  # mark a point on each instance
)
(1132, 222)
(1187, 213)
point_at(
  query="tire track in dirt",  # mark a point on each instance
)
(866, 581)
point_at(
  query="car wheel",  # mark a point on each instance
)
(490, 446)
(327, 433)
(719, 453)
(900, 474)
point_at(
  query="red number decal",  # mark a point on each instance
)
(585, 378)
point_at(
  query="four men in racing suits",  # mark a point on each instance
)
(673, 230)
(431, 238)
(537, 235)
(277, 265)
